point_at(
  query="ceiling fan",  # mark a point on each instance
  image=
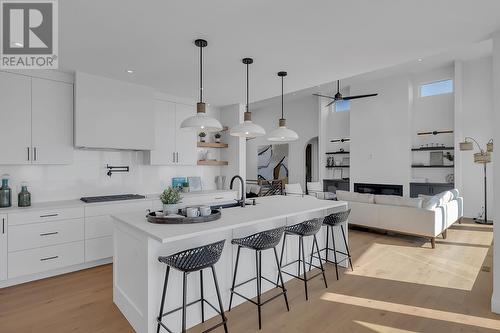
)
(338, 96)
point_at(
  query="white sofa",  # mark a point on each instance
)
(426, 217)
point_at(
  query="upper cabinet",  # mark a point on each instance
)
(52, 109)
(113, 114)
(173, 145)
(37, 120)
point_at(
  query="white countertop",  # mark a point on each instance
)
(78, 203)
(267, 208)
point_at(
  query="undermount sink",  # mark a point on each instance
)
(228, 205)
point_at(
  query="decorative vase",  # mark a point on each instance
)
(217, 140)
(5, 193)
(24, 197)
(202, 139)
(170, 209)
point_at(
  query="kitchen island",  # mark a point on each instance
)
(138, 275)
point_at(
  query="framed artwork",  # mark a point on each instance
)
(272, 162)
(177, 182)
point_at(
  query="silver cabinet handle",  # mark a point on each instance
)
(50, 233)
(219, 198)
(34, 153)
(49, 215)
(28, 149)
(3, 225)
(49, 258)
(177, 154)
(173, 157)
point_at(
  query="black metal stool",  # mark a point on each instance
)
(189, 261)
(259, 242)
(332, 221)
(304, 229)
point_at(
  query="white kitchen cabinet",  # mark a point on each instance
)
(173, 146)
(113, 114)
(3, 247)
(15, 118)
(52, 122)
(36, 116)
(164, 152)
(185, 140)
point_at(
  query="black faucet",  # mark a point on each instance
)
(243, 199)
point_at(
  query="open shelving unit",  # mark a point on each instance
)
(432, 166)
(212, 145)
(432, 148)
(212, 162)
(338, 153)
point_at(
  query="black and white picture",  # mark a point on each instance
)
(272, 162)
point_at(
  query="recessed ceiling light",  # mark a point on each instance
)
(420, 59)
(18, 44)
(130, 71)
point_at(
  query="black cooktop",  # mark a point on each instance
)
(117, 197)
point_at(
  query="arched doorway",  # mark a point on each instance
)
(311, 158)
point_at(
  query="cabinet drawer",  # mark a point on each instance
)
(117, 208)
(98, 226)
(30, 236)
(209, 198)
(98, 248)
(45, 215)
(45, 259)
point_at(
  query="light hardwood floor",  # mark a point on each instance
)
(398, 285)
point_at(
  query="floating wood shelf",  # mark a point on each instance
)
(338, 166)
(432, 148)
(432, 166)
(212, 145)
(338, 153)
(207, 162)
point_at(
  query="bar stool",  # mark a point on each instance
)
(304, 229)
(332, 221)
(189, 261)
(259, 242)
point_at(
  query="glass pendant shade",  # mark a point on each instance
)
(466, 145)
(247, 129)
(282, 133)
(200, 121)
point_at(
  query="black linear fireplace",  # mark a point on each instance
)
(379, 189)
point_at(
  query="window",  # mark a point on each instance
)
(341, 106)
(436, 88)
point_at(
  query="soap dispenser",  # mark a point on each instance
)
(5, 192)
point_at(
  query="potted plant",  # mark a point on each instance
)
(202, 136)
(170, 199)
(185, 187)
(217, 137)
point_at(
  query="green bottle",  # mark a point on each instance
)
(24, 197)
(5, 192)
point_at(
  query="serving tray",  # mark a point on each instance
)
(153, 218)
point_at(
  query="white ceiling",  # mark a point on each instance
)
(315, 41)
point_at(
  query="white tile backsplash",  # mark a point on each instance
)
(87, 176)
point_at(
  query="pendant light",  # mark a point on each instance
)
(247, 129)
(200, 121)
(282, 134)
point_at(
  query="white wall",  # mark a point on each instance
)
(301, 114)
(476, 121)
(380, 133)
